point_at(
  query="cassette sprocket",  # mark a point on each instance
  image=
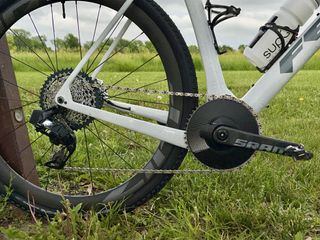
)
(84, 90)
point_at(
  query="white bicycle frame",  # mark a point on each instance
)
(258, 97)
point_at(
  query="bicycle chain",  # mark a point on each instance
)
(143, 90)
(152, 171)
(142, 171)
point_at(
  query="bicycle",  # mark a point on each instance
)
(83, 117)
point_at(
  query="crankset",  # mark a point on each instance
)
(224, 134)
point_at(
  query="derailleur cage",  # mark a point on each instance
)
(222, 13)
(59, 133)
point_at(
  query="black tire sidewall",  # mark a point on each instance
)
(184, 80)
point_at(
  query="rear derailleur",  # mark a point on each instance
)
(59, 133)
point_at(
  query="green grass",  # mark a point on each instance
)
(126, 62)
(270, 198)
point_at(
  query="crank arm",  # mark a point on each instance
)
(236, 138)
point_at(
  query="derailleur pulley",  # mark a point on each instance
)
(59, 133)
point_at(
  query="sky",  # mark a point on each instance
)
(236, 31)
(233, 32)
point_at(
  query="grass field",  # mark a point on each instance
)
(270, 198)
(234, 61)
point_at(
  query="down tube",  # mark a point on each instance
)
(285, 68)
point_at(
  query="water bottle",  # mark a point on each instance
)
(281, 30)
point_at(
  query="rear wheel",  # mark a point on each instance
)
(152, 55)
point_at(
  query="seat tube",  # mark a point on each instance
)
(214, 76)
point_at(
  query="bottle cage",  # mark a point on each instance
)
(221, 13)
(277, 30)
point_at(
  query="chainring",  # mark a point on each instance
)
(224, 111)
(84, 90)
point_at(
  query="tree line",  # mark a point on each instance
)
(21, 40)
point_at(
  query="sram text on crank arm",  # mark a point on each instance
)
(233, 137)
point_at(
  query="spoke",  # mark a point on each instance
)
(13, 130)
(78, 26)
(118, 16)
(96, 25)
(104, 150)
(16, 108)
(30, 144)
(102, 63)
(42, 157)
(71, 160)
(94, 32)
(14, 100)
(16, 59)
(54, 37)
(49, 170)
(143, 101)
(104, 44)
(42, 42)
(132, 72)
(31, 49)
(88, 159)
(117, 154)
(124, 136)
(40, 160)
(112, 47)
(144, 86)
(26, 90)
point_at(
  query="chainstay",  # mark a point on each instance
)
(148, 171)
(154, 171)
(142, 171)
